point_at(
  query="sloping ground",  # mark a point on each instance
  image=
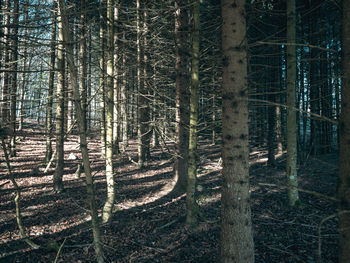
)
(148, 221)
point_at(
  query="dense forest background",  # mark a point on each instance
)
(161, 131)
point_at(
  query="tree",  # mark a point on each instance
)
(116, 111)
(236, 243)
(82, 59)
(101, 88)
(5, 109)
(107, 209)
(50, 88)
(57, 178)
(192, 207)
(344, 140)
(182, 96)
(291, 167)
(14, 67)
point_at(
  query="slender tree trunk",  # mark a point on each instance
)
(83, 142)
(145, 109)
(141, 101)
(102, 85)
(344, 145)
(213, 118)
(116, 112)
(315, 141)
(14, 67)
(291, 167)
(5, 109)
(38, 99)
(182, 96)
(236, 243)
(57, 178)
(82, 59)
(155, 112)
(50, 88)
(124, 99)
(108, 206)
(17, 198)
(89, 83)
(191, 204)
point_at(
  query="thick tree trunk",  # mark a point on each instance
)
(344, 145)
(291, 167)
(82, 131)
(191, 204)
(182, 96)
(236, 243)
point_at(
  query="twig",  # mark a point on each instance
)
(4, 183)
(59, 250)
(167, 224)
(319, 251)
(54, 153)
(161, 250)
(286, 252)
(17, 198)
(303, 190)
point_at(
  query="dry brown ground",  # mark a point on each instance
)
(148, 221)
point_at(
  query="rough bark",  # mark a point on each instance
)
(108, 206)
(49, 104)
(82, 59)
(102, 85)
(344, 140)
(5, 107)
(116, 112)
(124, 100)
(14, 66)
(236, 244)
(291, 166)
(57, 178)
(142, 107)
(182, 97)
(191, 204)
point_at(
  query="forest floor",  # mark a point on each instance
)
(148, 220)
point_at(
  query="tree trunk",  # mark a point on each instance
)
(291, 168)
(124, 100)
(50, 88)
(14, 67)
(5, 109)
(82, 59)
(82, 131)
(108, 206)
(236, 243)
(142, 108)
(344, 145)
(116, 112)
(191, 204)
(182, 96)
(102, 85)
(145, 109)
(57, 178)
